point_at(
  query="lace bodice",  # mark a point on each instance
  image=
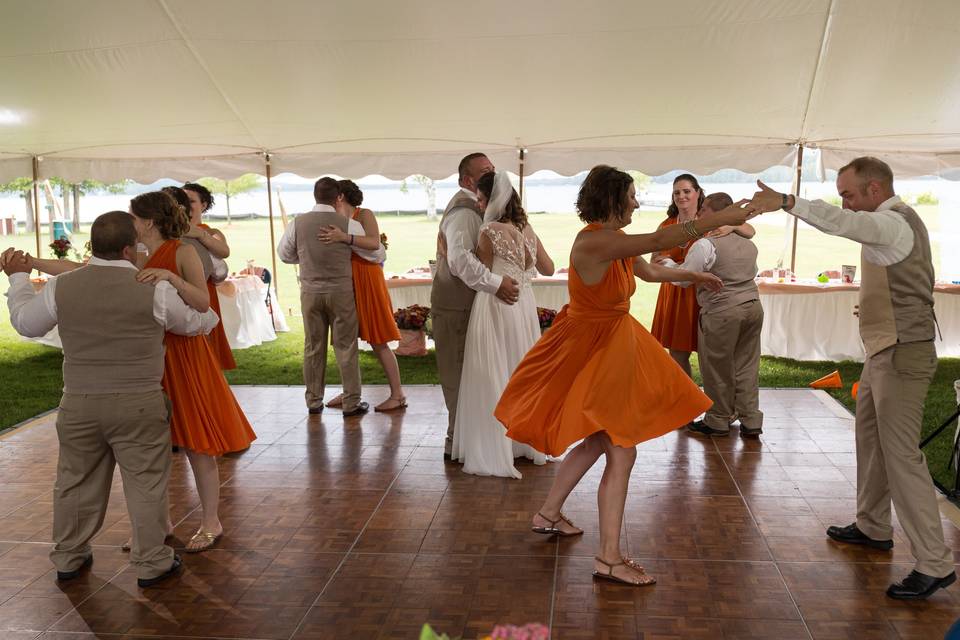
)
(513, 253)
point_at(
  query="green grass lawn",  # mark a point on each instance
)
(30, 374)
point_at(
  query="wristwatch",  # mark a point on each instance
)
(784, 200)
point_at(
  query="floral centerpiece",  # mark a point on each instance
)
(412, 323)
(61, 248)
(532, 631)
(383, 241)
(546, 317)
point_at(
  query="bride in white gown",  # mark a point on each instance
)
(498, 334)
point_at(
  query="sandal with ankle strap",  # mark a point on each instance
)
(401, 404)
(206, 539)
(643, 580)
(552, 530)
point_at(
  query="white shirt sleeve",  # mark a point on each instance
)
(176, 316)
(377, 255)
(32, 315)
(461, 229)
(287, 249)
(886, 236)
(220, 269)
(700, 258)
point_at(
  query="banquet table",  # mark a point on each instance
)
(813, 321)
(550, 292)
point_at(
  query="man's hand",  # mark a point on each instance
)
(856, 310)
(509, 290)
(766, 199)
(13, 261)
(708, 281)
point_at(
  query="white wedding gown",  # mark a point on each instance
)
(498, 336)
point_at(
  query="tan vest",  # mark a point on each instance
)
(324, 268)
(736, 265)
(204, 253)
(449, 292)
(111, 341)
(896, 302)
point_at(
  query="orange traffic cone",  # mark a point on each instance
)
(829, 381)
(854, 389)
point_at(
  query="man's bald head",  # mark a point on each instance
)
(111, 233)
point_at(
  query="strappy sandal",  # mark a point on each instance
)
(208, 540)
(643, 580)
(552, 530)
(633, 564)
(336, 403)
(401, 404)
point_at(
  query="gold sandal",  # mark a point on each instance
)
(401, 404)
(552, 530)
(208, 539)
(643, 581)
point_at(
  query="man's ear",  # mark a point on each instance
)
(130, 254)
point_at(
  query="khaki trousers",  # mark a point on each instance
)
(325, 314)
(449, 338)
(890, 465)
(97, 432)
(729, 353)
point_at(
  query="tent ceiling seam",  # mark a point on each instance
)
(206, 70)
(821, 54)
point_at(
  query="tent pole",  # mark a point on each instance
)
(523, 153)
(273, 242)
(796, 222)
(36, 202)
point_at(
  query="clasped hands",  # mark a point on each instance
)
(15, 261)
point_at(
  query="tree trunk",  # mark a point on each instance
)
(228, 209)
(65, 194)
(76, 209)
(28, 200)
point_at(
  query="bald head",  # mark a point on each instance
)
(111, 234)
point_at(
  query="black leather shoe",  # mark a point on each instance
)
(314, 410)
(63, 576)
(361, 409)
(919, 586)
(850, 534)
(143, 583)
(750, 433)
(698, 426)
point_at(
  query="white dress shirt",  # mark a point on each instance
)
(34, 314)
(461, 230)
(287, 249)
(886, 235)
(701, 256)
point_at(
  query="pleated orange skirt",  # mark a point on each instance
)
(218, 337)
(374, 308)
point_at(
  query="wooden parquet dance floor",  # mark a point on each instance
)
(355, 528)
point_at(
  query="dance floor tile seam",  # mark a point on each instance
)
(354, 527)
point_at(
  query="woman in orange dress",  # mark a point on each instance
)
(374, 307)
(214, 241)
(677, 313)
(205, 419)
(597, 375)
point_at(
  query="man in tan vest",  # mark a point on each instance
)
(459, 275)
(113, 410)
(729, 328)
(897, 327)
(326, 297)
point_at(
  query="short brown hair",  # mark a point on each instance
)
(717, 201)
(206, 198)
(351, 192)
(326, 190)
(464, 167)
(868, 168)
(603, 194)
(170, 218)
(111, 233)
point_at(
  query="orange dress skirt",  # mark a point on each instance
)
(374, 308)
(218, 337)
(677, 315)
(206, 416)
(597, 369)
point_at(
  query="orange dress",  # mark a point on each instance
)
(597, 369)
(218, 337)
(677, 314)
(205, 416)
(374, 308)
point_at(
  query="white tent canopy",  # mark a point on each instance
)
(145, 89)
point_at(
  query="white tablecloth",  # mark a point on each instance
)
(818, 324)
(551, 293)
(244, 314)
